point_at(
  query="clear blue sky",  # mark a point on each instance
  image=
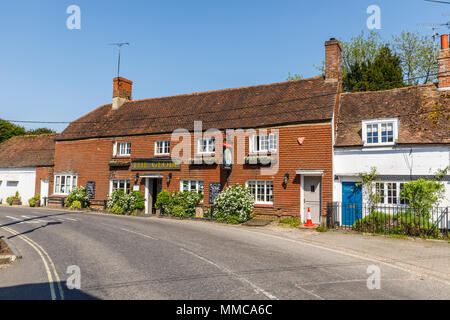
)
(50, 73)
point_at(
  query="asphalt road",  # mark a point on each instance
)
(152, 258)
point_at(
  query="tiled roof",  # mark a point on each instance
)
(250, 107)
(28, 151)
(413, 106)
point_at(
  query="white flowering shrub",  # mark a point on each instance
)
(125, 203)
(78, 194)
(234, 205)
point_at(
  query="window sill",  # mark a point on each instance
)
(264, 205)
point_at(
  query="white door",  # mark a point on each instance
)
(44, 190)
(147, 194)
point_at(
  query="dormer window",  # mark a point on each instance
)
(380, 132)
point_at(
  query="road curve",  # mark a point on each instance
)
(151, 258)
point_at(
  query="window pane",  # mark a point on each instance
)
(392, 193)
(380, 192)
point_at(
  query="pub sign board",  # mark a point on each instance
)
(90, 189)
(214, 190)
(155, 164)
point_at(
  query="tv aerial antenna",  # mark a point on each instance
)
(119, 45)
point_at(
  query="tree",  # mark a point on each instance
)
(417, 55)
(383, 73)
(423, 194)
(9, 130)
(368, 180)
(360, 50)
(40, 131)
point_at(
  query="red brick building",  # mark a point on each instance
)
(130, 144)
(26, 166)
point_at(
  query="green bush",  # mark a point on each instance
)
(179, 204)
(136, 201)
(178, 211)
(404, 223)
(234, 205)
(35, 201)
(125, 203)
(163, 201)
(78, 194)
(75, 205)
(10, 200)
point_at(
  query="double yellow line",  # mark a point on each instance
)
(48, 263)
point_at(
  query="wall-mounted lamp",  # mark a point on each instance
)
(286, 179)
(136, 178)
(169, 177)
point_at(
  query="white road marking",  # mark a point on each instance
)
(308, 292)
(15, 219)
(234, 274)
(140, 234)
(34, 221)
(34, 244)
(70, 219)
(47, 269)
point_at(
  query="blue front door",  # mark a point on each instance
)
(351, 203)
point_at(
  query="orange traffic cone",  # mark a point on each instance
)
(309, 222)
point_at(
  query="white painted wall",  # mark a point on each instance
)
(26, 178)
(417, 160)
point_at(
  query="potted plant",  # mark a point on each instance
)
(16, 200)
(37, 201)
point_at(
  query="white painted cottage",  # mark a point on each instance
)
(404, 133)
(26, 166)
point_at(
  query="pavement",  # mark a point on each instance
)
(116, 257)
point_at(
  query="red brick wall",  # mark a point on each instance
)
(90, 158)
(444, 68)
(44, 173)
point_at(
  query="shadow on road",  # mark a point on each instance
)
(32, 230)
(41, 291)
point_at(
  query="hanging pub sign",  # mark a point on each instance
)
(90, 189)
(227, 155)
(155, 164)
(214, 190)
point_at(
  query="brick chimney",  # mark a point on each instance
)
(333, 60)
(122, 90)
(444, 64)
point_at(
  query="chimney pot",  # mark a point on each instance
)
(444, 64)
(444, 41)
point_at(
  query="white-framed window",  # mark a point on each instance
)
(380, 132)
(262, 191)
(120, 184)
(162, 147)
(65, 183)
(390, 193)
(122, 149)
(263, 143)
(192, 185)
(207, 145)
